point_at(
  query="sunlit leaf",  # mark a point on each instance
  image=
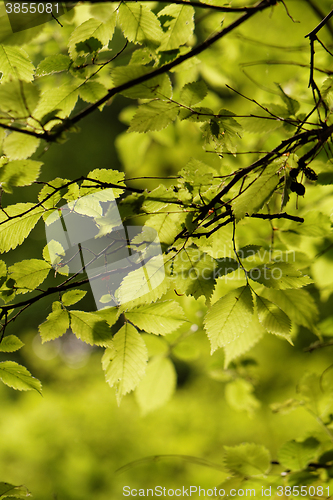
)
(18, 377)
(125, 361)
(157, 385)
(160, 318)
(229, 317)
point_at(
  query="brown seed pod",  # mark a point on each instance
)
(294, 173)
(310, 174)
(300, 189)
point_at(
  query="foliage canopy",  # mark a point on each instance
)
(225, 169)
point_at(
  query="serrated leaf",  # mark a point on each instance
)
(92, 91)
(166, 225)
(72, 297)
(239, 395)
(299, 305)
(138, 23)
(90, 30)
(159, 86)
(158, 199)
(327, 91)
(272, 318)
(316, 224)
(18, 146)
(18, 98)
(15, 64)
(247, 459)
(242, 344)
(108, 176)
(254, 197)
(279, 275)
(157, 385)
(58, 102)
(20, 173)
(228, 318)
(28, 274)
(296, 455)
(56, 325)
(196, 114)
(155, 115)
(90, 328)
(194, 272)
(160, 318)
(53, 64)
(180, 28)
(18, 377)
(125, 362)
(257, 125)
(51, 187)
(12, 491)
(14, 231)
(108, 314)
(193, 93)
(311, 393)
(10, 343)
(144, 285)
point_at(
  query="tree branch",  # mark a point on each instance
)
(262, 5)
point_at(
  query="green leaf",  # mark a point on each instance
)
(228, 318)
(160, 318)
(83, 39)
(13, 231)
(144, 285)
(108, 176)
(18, 98)
(157, 385)
(10, 343)
(58, 102)
(194, 272)
(90, 328)
(138, 23)
(158, 199)
(56, 325)
(272, 318)
(167, 225)
(180, 28)
(239, 395)
(108, 314)
(311, 393)
(253, 198)
(18, 146)
(18, 377)
(53, 64)
(193, 93)
(296, 455)
(242, 344)
(291, 104)
(280, 275)
(155, 115)
(125, 362)
(29, 274)
(51, 187)
(159, 86)
(316, 224)
(19, 173)
(14, 492)
(72, 297)
(247, 459)
(15, 64)
(261, 123)
(92, 91)
(299, 305)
